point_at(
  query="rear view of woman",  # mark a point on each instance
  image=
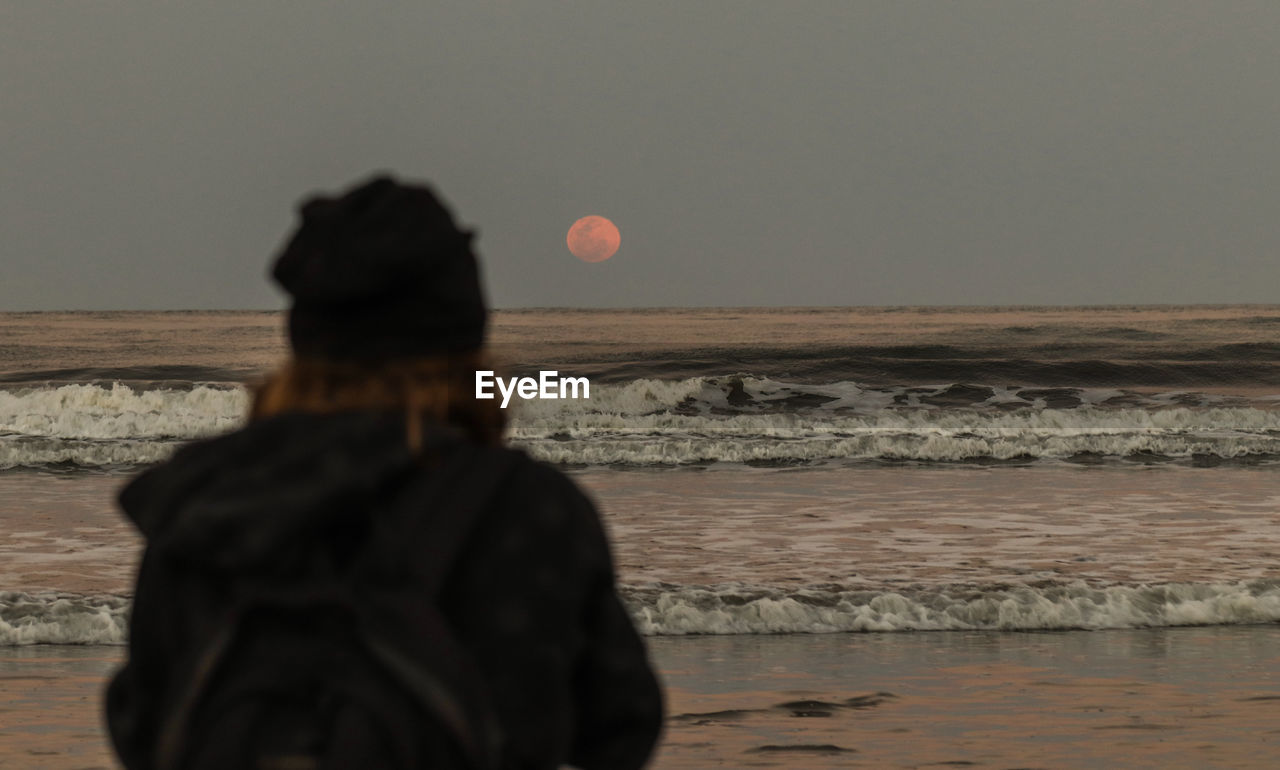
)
(363, 576)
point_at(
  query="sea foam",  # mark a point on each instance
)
(666, 610)
(59, 618)
(119, 412)
(697, 420)
(740, 609)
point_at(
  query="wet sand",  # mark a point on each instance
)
(1190, 697)
(50, 707)
(1181, 698)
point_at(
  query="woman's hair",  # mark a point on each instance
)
(429, 390)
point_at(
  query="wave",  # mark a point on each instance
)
(743, 419)
(906, 448)
(1079, 365)
(60, 618)
(739, 609)
(1040, 356)
(669, 610)
(118, 411)
(748, 394)
(702, 420)
(72, 455)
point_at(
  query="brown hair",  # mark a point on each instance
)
(429, 390)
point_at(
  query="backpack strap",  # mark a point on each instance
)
(434, 517)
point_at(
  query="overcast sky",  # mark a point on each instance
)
(751, 153)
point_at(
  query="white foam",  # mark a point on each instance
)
(667, 438)
(61, 619)
(37, 453)
(648, 422)
(738, 609)
(741, 609)
(701, 394)
(96, 412)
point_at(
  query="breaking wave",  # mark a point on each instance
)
(738, 609)
(118, 411)
(665, 610)
(705, 420)
(59, 618)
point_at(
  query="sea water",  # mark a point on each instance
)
(788, 471)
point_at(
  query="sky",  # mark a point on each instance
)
(794, 152)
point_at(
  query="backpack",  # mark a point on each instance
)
(351, 665)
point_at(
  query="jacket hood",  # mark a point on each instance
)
(235, 501)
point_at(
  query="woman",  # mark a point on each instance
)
(466, 588)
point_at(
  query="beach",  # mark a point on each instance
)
(1187, 697)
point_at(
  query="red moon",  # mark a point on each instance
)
(593, 239)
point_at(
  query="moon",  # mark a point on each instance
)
(593, 239)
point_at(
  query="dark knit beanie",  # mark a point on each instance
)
(381, 272)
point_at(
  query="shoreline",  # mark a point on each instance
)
(1184, 697)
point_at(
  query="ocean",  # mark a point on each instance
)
(1033, 536)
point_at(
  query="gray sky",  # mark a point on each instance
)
(751, 153)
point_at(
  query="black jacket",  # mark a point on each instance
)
(531, 594)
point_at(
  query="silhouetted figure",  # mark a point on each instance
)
(363, 576)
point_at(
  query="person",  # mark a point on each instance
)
(367, 460)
